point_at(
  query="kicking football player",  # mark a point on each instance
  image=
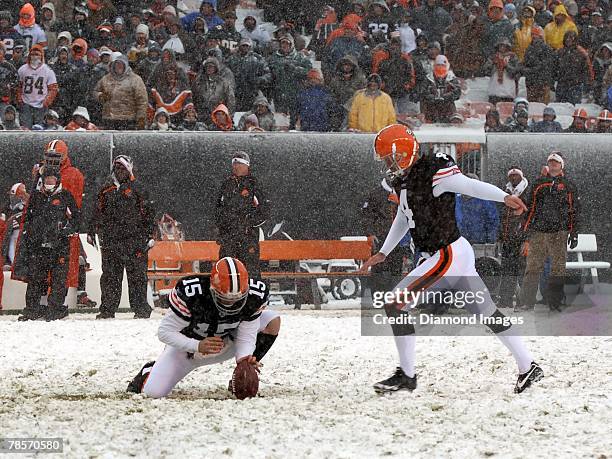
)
(210, 320)
(426, 186)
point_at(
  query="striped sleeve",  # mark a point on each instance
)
(178, 305)
(445, 173)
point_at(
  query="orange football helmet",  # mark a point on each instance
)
(56, 153)
(229, 285)
(605, 115)
(580, 113)
(397, 147)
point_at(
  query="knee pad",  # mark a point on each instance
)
(495, 326)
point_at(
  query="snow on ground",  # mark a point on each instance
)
(68, 379)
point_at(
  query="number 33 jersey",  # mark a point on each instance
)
(192, 301)
(431, 219)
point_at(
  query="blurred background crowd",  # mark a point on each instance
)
(321, 65)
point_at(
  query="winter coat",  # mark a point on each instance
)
(127, 93)
(434, 21)
(267, 122)
(553, 205)
(397, 72)
(539, 64)
(507, 87)
(573, 67)
(343, 89)
(546, 126)
(68, 79)
(438, 98)
(314, 106)
(251, 73)
(210, 91)
(341, 47)
(493, 33)
(463, 48)
(522, 39)
(9, 81)
(288, 72)
(371, 112)
(477, 219)
(553, 34)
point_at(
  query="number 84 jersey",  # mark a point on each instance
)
(192, 301)
(431, 219)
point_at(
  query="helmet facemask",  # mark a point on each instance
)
(228, 304)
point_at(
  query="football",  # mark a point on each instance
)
(245, 381)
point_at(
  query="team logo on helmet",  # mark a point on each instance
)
(229, 285)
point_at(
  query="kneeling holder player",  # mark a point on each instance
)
(210, 320)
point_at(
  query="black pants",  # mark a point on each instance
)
(512, 270)
(114, 260)
(46, 262)
(246, 250)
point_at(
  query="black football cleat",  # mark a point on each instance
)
(532, 375)
(56, 314)
(136, 385)
(105, 315)
(143, 313)
(399, 381)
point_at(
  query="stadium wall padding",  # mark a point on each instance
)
(316, 182)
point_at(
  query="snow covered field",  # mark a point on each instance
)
(67, 379)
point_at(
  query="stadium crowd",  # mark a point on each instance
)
(113, 64)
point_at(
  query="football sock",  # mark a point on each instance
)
(263, 345)
(520, 353)
(406, 347)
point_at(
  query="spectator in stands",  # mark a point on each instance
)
(10, 121)
(440, 93)
(433, 19)
(574, 72)
(607, 83)
(67, 77)
(263, 112)
(433, 51)
(251, 124)
(161, 121)
(510, 13)
(504, 69)
(287, 28)
(371, 109)
(190, 120)
(37, 88)
(553, 222)
(49, 24)
(601, 64)
(207, 11)
(78, 53)
(456, 119)
(139, 49)
(221, 119)
(511, 240)
(51, 122)
(224, 71)
(554, 32)
(124, 219)
(346, 80)
(347, 40)
(523, 33)
(406, 31)
(261, 38)
(492, 122)
(548, 124)
(210, 89)
(8, 34)
(100, 11)
(378, 21)
(497, 28)
(542, 15)
(195, 43)
(314, 104)
(477, 219)
(81, 121)
(64, 38)
(169, 87)
(519, 121)
(289, 71)
(538, 67)
(19, 51)
(463, 44)
(604, 122)
(325, 25)
(579, 125)
(123, 96)
(104, 37)
(79, 27)
(145, 66)
(229, 38)
(251, 73)
(51, 217)
(9, 80)
(242, 207)
(398, 74)
(27, 27)
(121, 40)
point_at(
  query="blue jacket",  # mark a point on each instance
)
(477, 220)
(314, 104)
(188, 21)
